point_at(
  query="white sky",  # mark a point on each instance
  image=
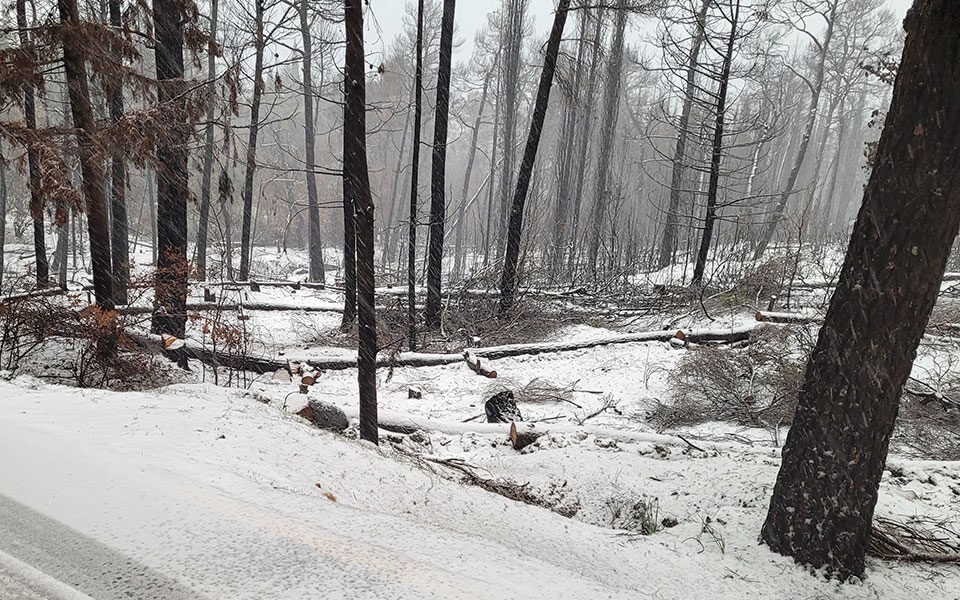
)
(471, 15)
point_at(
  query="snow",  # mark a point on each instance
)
(231, 496)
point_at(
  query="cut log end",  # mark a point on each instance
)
(520, 439)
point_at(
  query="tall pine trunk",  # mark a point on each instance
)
(508, 282)
(170, 295)
(120, 237)
(251, 166)
(91, 166)
(414, 189)
(824, 498)
(438, 171)
(716, 154)
(314, 240)
(357, 179)
(33, 161)
(203, 226)
(668, 247)
(512, 44)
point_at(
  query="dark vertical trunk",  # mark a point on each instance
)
(225, 193)
(356, 178)
(494, 156)
(33, 161)
(119, 241)
(438, 172)
(398, 194)
(349, 236)
(314, 241)
(815, 91)
(512, 44)
(668, 248)
(3, 213)
(833, 460)
(91, 166)
(461, 212)
(716, 155)
(203, 225)
(170, 295)
(152, 210)
(508, 283)
(414, 189)
(610, 111)
(251, 168)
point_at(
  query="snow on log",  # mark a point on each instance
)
(474, 363)
(787, 318)
(234, 306)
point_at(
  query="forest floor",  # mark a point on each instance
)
(229, 493)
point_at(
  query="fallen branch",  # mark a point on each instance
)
(474, 363)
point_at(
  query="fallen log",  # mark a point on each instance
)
(474, 363)
(787, 318)
(235, 306)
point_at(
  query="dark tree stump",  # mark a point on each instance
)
(502, 408)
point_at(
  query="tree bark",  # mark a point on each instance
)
(90, 165)
(713, 187)
(414, 189)
(508, 282)
(668, 248)
(119, 231)
(170, 295)
(3, 212)
(206, 180)
(826, 491)
(512, 44)
(314, 240)
(251, 167)
(356, 178)
(438, 172)
(33, 161)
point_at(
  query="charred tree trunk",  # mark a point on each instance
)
(414, 189)
(119, 241)
(33, 161)
(90, 165)
(716, 155)
(610, 111)
(438, 172)
(170, 295)
(508, 283)
(826, 491)
(816, 89)
(251, 168)
(206, 180)
(356, 178)
(3, 212)
(314, 241)
(668, 248)
(515, 11)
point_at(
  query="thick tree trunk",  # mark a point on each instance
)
(170, 295)
(251, 167)
(314, 240)
(206, 180)
(668, 248)
(414, 189)
(716, 155)
(33, 161)
(610, 112)
(508, 282)
(91, 166)
(438, 172)
(119, 232)
(816, 90)
(826, 491)
(356, 178)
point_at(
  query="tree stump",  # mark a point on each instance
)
(502, 408)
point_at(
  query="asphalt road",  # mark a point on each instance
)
(45, 560)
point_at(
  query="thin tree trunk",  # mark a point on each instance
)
(508, 283)
(314, 241)
(512, 45)
(668, 248)
(33, 161)
(826, 492)
(206, 180)
(414, 189)
(390, 237)
(438, 172)
(356, 178)
(816, 91)
(713, 187)
(3, 213)
(170, 295)
(90, 164)
(152, 210)
(610, 111)
(251, 167)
